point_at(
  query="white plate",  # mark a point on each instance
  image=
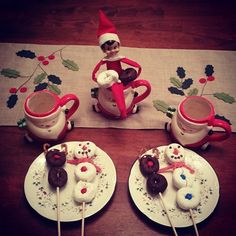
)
(42, 197)
(151, 206)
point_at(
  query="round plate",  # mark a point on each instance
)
(151, 206)
(42, 197)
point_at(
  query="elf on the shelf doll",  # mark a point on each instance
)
(110, 45)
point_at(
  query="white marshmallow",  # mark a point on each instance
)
(188, 197)
(182, 178)
(84, 191)
(85, 171)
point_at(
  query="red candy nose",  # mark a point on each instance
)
(150, 163)
(83, 190)
(176, 151)
(56, 156)
(83, 168)
(84, 147)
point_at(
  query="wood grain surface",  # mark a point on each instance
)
(157, 24)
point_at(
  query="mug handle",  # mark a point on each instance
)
(139, 83)
(221, 136)
(67, 98)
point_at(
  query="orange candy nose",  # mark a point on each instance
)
(176, 151)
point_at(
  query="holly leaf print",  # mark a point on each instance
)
(54, 88)
(40, 86)
(26, 54)
(181, 72)
(12, 100)
(175, 90)
(176, 82)
(71, 65)
(209, 70)
(222, 118)
(187, 83)
(224, 97)
(54, 79)
(10, 73)
(193, 92)
(160, 105)
(39, 78)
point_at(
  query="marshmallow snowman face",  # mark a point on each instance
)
(174, 153)
(85, 149)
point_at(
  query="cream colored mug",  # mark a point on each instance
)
(194, 122)
(46, 115)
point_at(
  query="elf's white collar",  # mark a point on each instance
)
(115, 58)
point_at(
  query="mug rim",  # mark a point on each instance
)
(208, 119)
(35, 114)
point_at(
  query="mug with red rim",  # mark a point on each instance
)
(47, 115)
(194, 123)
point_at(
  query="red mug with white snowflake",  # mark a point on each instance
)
(193, 123)
(46, 115)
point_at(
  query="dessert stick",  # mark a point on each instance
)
(58, 213)
(156, 185)
(83, 219)
(194, 223)
(168, 215)
(188, 198)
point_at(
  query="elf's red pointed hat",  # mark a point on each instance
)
(106, 30)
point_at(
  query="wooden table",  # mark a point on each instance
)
(159, 24)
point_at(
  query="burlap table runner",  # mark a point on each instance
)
(69, 71)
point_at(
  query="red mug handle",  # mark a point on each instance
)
(221, 136)
(67, 98)
(139, 83)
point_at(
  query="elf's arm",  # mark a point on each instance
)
(132, 63)
(96, 69)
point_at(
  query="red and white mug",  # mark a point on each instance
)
(46, 115)
(194, 123)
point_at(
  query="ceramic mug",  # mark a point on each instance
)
(117, 100)
(46, 115)
(193, 123)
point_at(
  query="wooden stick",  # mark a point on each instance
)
(169, 218)
(58, 212)
(194, 223)
(82, 223)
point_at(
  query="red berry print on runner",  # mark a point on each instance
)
(45, 62)
(12, 90)
(23, 89)
(41, 58)
(51, 57)
(202, 80)
(210, 78)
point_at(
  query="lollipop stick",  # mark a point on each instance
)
(194, 223)
(82, 223)
(169, 218)
(58, 212)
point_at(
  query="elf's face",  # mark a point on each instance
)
(111, 50)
